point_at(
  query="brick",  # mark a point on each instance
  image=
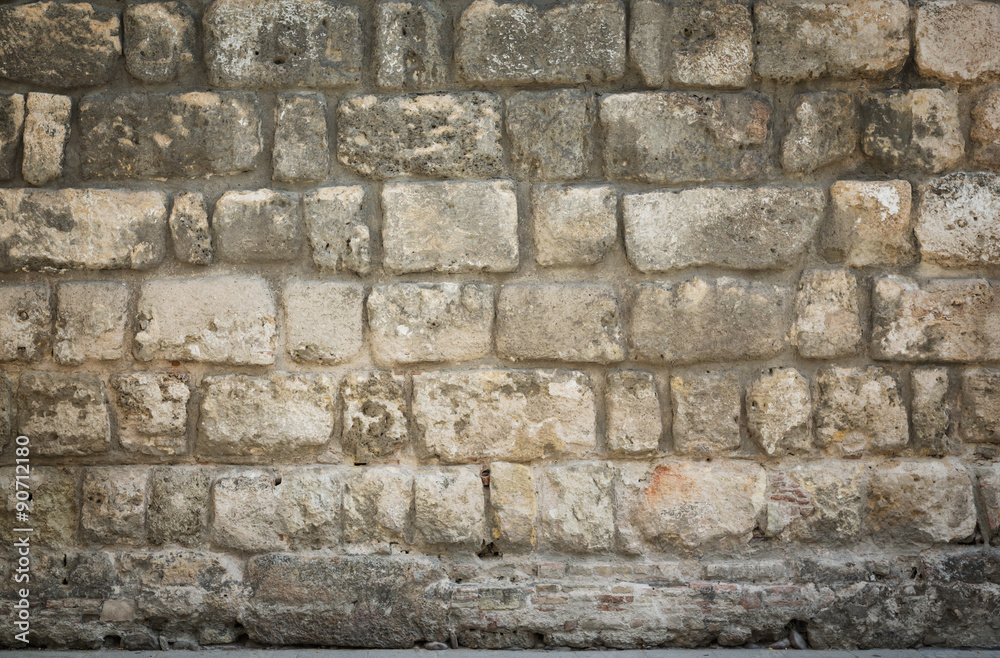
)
(648, 41)
(573, 226)
(577, 513)
(410, 40)
(337, 230)
(822, 130)
(283, 43)
(706, 412)
(301, 149)
(673, 138)
(159, 40)
(323, 321)
(82, 229)
(932, 413)
(245, 513)
(947, 320)
(870, 224)
(860, 410)
(779, 412)
(46, 131)
(178, 504)
(220, 319)
(740, 228)
(988, 483)
(827, 316)
(277, 414)
(980, 421)
(189, 230)
(957, 220)
(152, 412)
(449, 505)
(444, 135)
(916, 130)
(510, 415)
(59, 44)
(12, 110)
(90, 322)
(377, 502)
(262, 225)
(54, 508)
(956, 41)
(836, 39)
(25, 322)
(113, 508)
(921, 502)
(309, 503)
(634, 421)
(450, 227)
(985, 131)
(188, 135)
(518, 43)
(374, 420)
(512, 505)
(705, 320)
(815, 502)
(63, 415)
(550, 133)
(430, 322)
(561, 322)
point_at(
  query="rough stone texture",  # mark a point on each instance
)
(706, 413)
(221, 319)
(159, 40)
(301, 149)
(263, 225)
(177, 512)
(46, 131)
(374, 420)
(59, 44)
(151, 409)
(916, 130)
(450, 227)
(25, 322)
(517, 42)
(337, 231)
(513, 415)
(684, 138)
(816, 502)
(63, 415)
(988, 481)
(635, 424)
(7, 389)
(980, 420)
(833, 38)
(245, 515)
(449, 505)
(189, 230)
(573, 226)
(956, 41)
(309, 502)
(90, 322)
(377, 502)
(278, 414)
(12, 111)
(323, 321)
(550, 133)
(160, 136)
(704, 320)
(779, 412)
(81, 229)
(985, 131)
(577, 514)
(710, 44)
(958, 220)
(113, 508)
(54, 509)
(870, 224)
(860, 410)
(823, 129)
(409, 44)
(932, 414)
(579, 322)
(513, 505)
(827, 318)
(430, 322)
(647, 42)
(282, 43)
(738, 228)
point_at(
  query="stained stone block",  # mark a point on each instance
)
(634, 422)
(54, 507)
(932, 411)
(377, 503)
(573, 225)
(25, 322)
(337, 230)
(189, 230)
(263, 225)
(958, 220)
(159, 40)
(577, 513)
(550, 133)
(985, 130)
(12, 110)
(823, 129)
(706, 413)
(113, 508)
(90, 322)
(827, 316)
(711, 44)
(956, 41)
(152, 412)
(816, 502)
(915, 130)
(980, 421)
(301, 149)
(512, 501)
(374, 420)
(409, 44)
(178, 504)
(870, 224)
(46, 131)
(64, 415)
(921, 502)
(860, 410)
(245, 513)
(779, 412)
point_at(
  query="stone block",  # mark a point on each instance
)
(309, 500)
(932, 412)
(706, 413)
(648, 41)
(189, 230)
(63, 415)
(258, 226)
(860, 411)
(634, 418)
(822, 130)
(512, 505)
(301, 149)
(573, 226)
(988, 482)
(920, 502)
(54, 508)
(245, 513)
(410, 42)
(12, 109)
(815, 502)
(710, 44)
(827, 316)
(178, 504)
(337, 229)
(90, 322)
(377, 502)
(323, 321)
(985, 131)
(550, 133)
(779, 412)
(46, 131)
(914, 130)
(374, 420)
(152, 412)
(113, 505)
(956, 41)
(25, 322)
(159, 40)
(870, 224)
(958, 220)
(980, 421)
(7, 389)
(450, 507)
(577, 511)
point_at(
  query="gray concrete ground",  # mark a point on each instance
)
(466, 653)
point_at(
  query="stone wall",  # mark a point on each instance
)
(502, 324)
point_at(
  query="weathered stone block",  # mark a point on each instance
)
(278, 414)
(178, 504)
(837, 39)
(510, 415)
(309, 500)
(684, 138)
(430, 322)
(550, 133)
(410, 43)
(985, 132)
(932, 413)
(988, 481)
(711, 44)
(779, 412)
(7, 389)
(635, 423)
(25, 322)
(518, 42)
(54, 508)
(282, 43)
(12, 109)
(755, 228)
(450, 227)
(63, 414)
(512, 503)
(189, 229)
(221, 319)
(648, 42)
(337, 231)
(561, 322)
(815, 502)
(956, 41)
(980, 421)
(81, 229)
(827, 317)
(113, 508)
(245, 513)
(262, 225)
(951, 320)
(46, 131)
(152, 412)
(59, 44)
(706, 320)
(374, 420)
(450, 507)
(870, 224)
(823, 129)
(921, 502)
(706, 413)
(446, 135)
(860, 410)
(573, 226)
(90, 322)
(577, 510)
(377, 504)
(323, 321)
(159, 40)
(958, 220)
(160, 136)
(917, 129)
(301, 149)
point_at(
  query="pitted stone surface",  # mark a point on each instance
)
(337, 230)
(262, 225)
(25, 322)
(12, 111)
(917, 130)
(90, 322)
(985, 132)
(449, 506)
(827, 315)
(958, 220)
(779, 411)
(374, 421)
(323, 321)
(152, 412)
(377, 504)
(409, 44)
(159, 40)
(635, 423)
(573, 225)
(301, 148)
(956, 41)
(823, 129)
(980, 406)
(706, 408)
(860, 410)
(550, 133)
(577, 515)
(189, 230)
(816, 502)
(63, 415)
(514, 505)
(46, 131)
(933, 414)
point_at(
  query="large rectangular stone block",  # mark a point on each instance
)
(957, 41)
